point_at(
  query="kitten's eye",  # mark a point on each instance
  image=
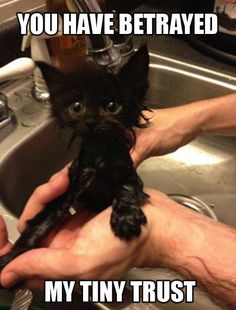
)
(75, 108)
(111, 107)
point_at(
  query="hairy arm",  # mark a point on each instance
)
(172, 128)
(193, 245)
(218, 116)
(176, 238)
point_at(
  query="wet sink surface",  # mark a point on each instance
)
(32, 163)
(206, 168)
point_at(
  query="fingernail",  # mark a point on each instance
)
(9, 279)
(54, 178)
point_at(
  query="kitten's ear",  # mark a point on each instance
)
(135, 72)
(53, 77)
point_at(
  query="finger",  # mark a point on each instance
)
(136, 156)
(40, 264)
(3, 233)
(64, 171)
(41, 196)
(4, 244)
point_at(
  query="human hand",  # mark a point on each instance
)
(84, 247)
(169, 129)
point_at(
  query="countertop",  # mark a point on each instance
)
(178, 47)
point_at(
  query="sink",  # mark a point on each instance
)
(204, 169)
(32, 163)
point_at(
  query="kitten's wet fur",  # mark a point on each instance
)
(102, 109)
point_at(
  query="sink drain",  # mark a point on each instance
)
(193, 203)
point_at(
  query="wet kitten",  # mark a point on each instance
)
(101, 109)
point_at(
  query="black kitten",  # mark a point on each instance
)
(102, 109)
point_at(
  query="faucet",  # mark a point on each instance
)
(4, 111)
(18, 68)
(101, 47)
(7, 119)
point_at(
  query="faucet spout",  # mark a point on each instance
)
(100, 47)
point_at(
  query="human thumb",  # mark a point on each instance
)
(41, 264)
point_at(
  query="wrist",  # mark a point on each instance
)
(160, 246)
(194, 118)
(169, 237)
(216, 115)
(202, 114)
(153, 248)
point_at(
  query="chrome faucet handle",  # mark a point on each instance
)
(122, 43)
(4, 111)
(108, 57)
(100, 47)
(18, 68)
(7, 119)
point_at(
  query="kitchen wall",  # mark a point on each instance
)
(10, 38)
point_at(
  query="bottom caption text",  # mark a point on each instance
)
(145, 291)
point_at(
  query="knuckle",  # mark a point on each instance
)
(20, 226)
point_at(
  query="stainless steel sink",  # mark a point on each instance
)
(206, 168)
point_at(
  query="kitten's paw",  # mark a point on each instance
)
(126, 222)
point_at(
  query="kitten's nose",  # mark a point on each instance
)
(91, 123)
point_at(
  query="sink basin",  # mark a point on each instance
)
(205, 169)
(32, 163)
